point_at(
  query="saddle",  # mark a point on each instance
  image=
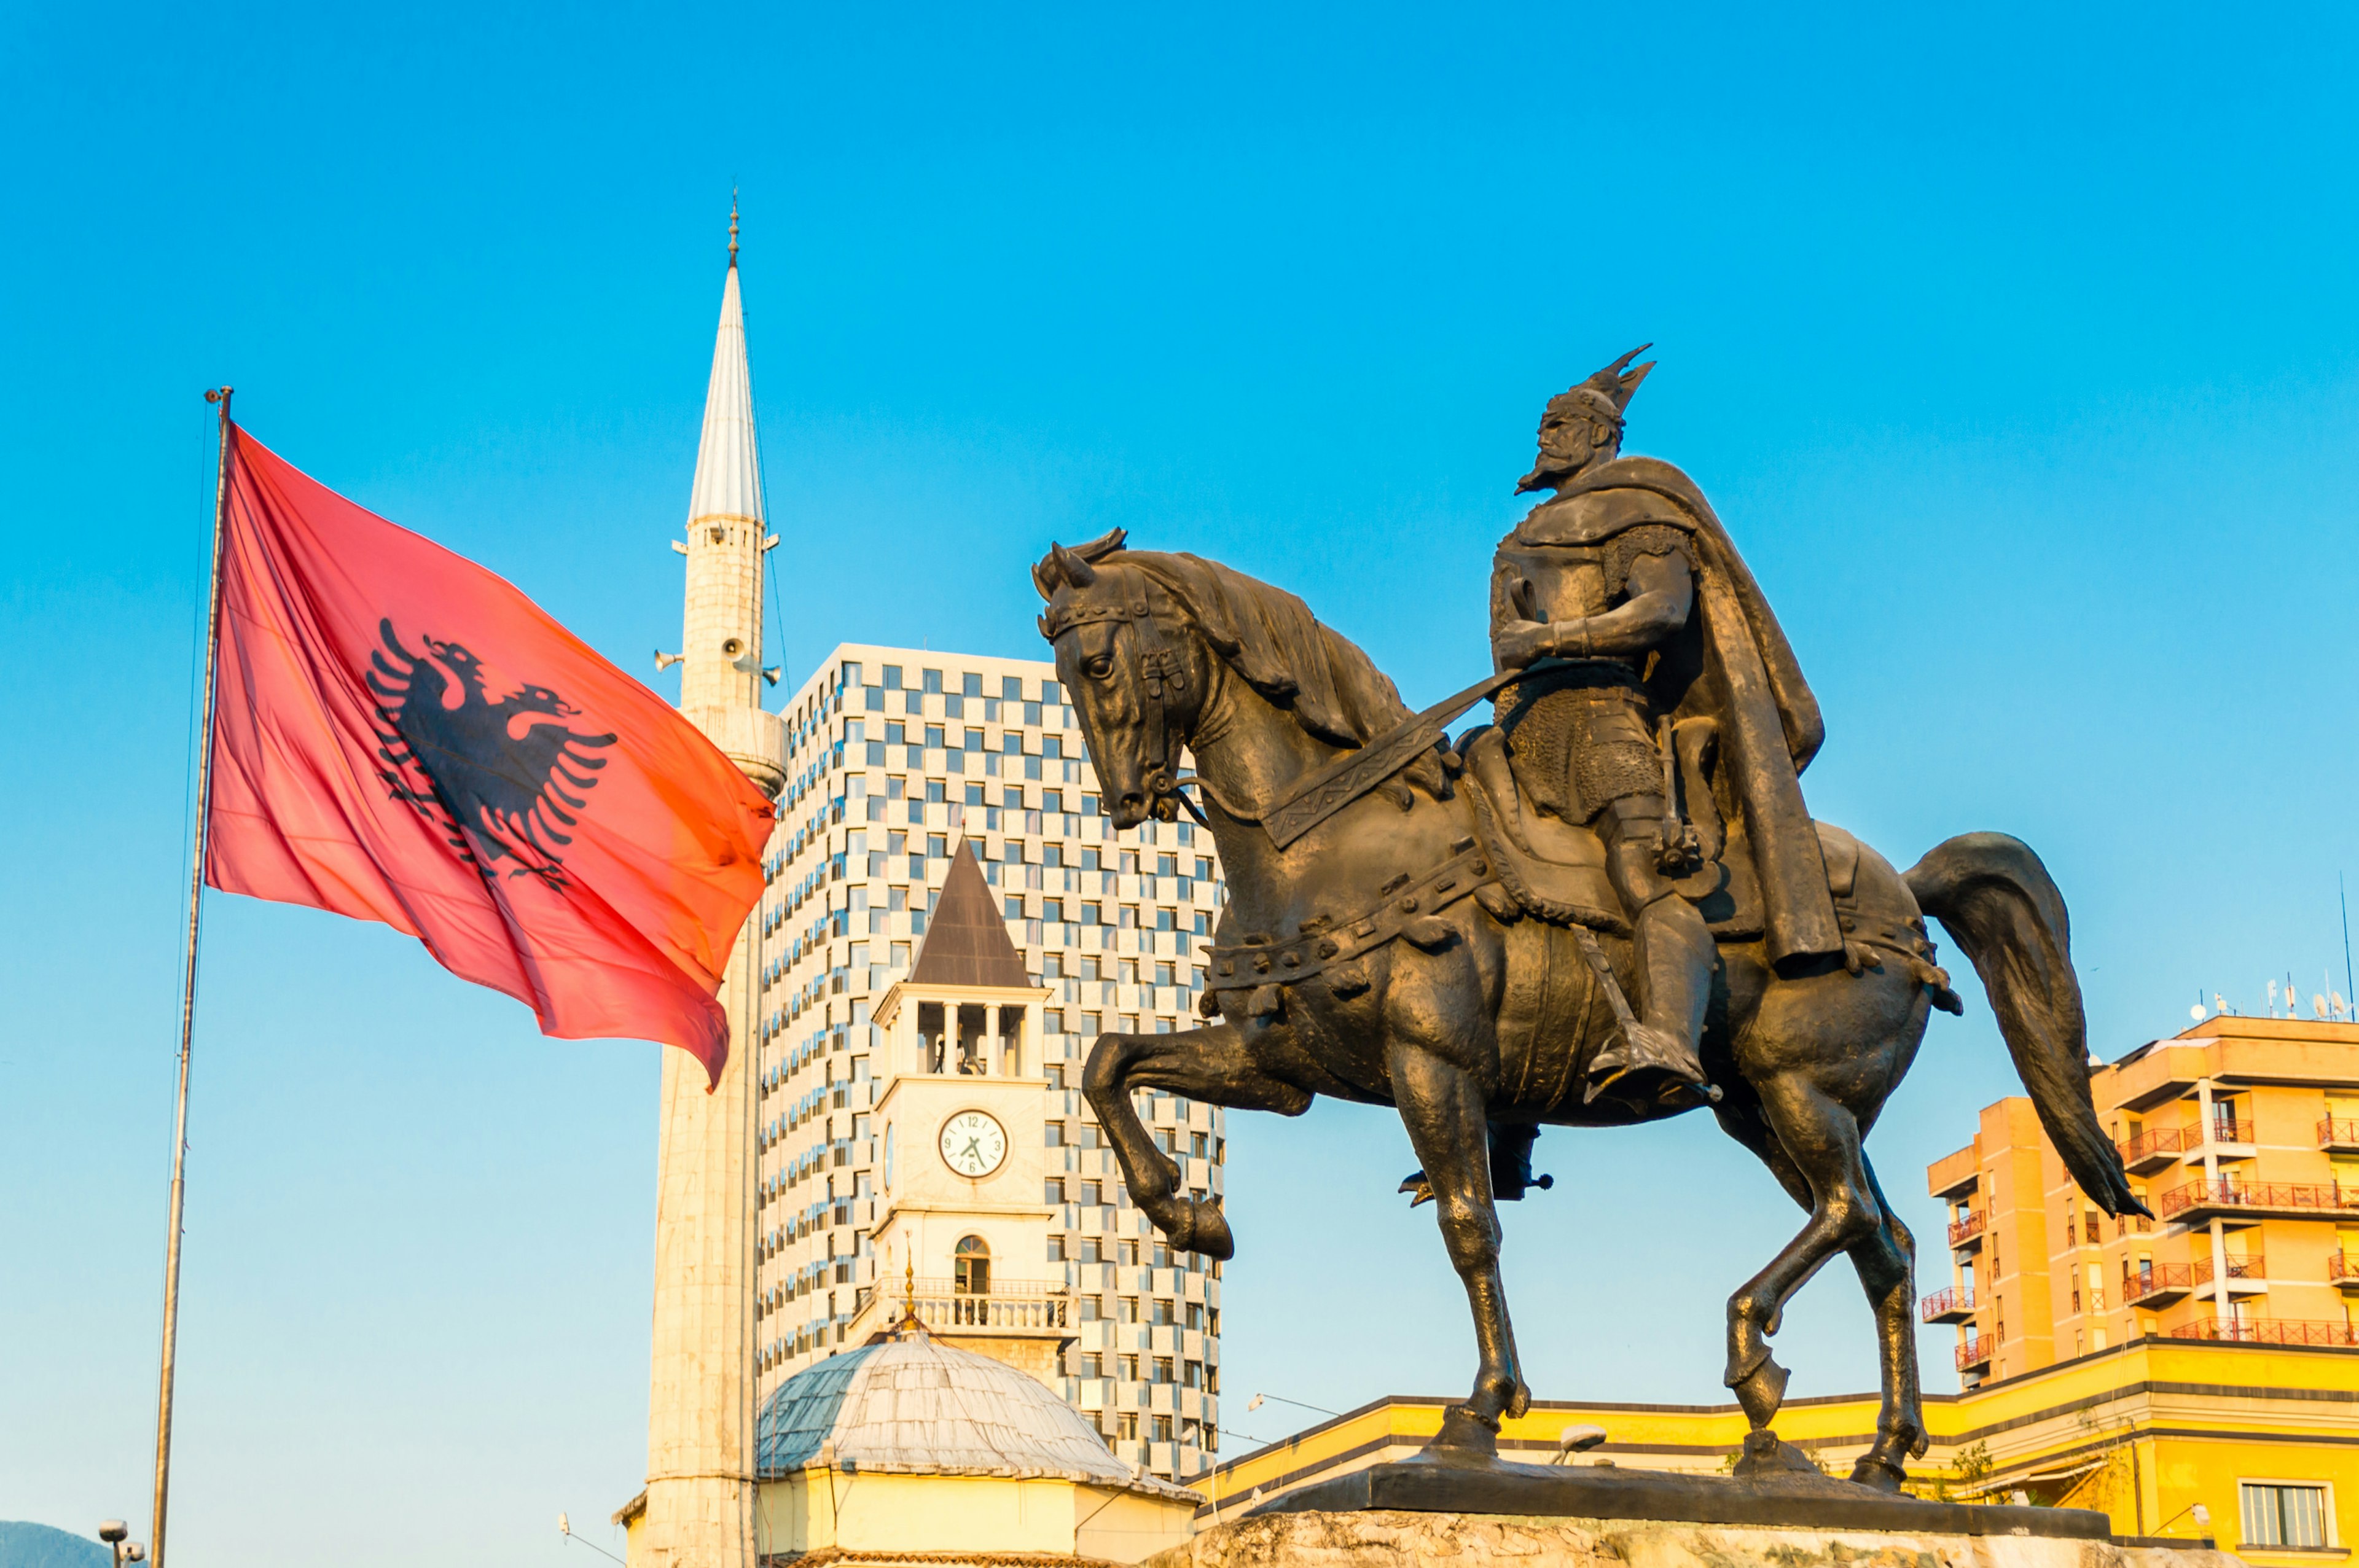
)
(1555, 870)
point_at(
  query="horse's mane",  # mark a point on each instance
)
(1269, 636)
(1301, 666)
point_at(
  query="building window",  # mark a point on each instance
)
(2278, 1515)
(971, 1267)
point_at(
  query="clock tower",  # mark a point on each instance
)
(962, 1234)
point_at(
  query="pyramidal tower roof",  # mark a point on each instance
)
(966, 941)
(728, 465)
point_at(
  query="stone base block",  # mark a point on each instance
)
(1782, 1489)
(1390, 1538)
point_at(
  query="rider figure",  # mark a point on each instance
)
(1596, 592)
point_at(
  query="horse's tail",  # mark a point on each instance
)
(2001, 907)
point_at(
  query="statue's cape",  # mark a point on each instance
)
(1734, 665)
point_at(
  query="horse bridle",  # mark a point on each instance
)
(1161, 669)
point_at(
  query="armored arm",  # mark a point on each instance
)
(1662, 594)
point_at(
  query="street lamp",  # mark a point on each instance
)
(112, 1533)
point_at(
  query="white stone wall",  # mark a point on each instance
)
(720, 637)
(1117, 928)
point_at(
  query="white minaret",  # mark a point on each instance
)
(700, 1444)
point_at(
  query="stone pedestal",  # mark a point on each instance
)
(1383, 1537)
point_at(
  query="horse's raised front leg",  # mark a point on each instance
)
(1211, 1065)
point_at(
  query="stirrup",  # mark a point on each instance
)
(1643, 1052)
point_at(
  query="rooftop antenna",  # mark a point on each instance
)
(2343, 899)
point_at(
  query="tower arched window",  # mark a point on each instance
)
(971, 1267)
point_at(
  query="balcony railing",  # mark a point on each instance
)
(2248, 1268)
(2158, 1146)
(2155, 1282)
(1952, 1305)
(2342, 1269)
(2338, 1133)
(1964, 1230)
(2267, 1331)
(1974, 1352)
(1013, 1306)
(2226, 1130)
(2229, 1193)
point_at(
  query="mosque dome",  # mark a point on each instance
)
(908, 1404)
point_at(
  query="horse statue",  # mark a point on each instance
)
(1373, 949)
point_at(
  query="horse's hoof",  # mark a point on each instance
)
(1762, 1391)
(1884, 1476)
(1205, 1229)
(1418, 1189)
(1464, 1434)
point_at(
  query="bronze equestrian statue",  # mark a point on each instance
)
(1456, 928)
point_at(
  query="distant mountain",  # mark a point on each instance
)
(23, 1545)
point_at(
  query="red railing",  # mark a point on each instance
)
(2267, 1331)
(2157, 1140)
(2229, 1193)
(2342, 1269)
(2153, 1279)
(1942, 1304)
(1964, 1230)
(2225, 1131)
(1973, 1352)
(2238, 1269)
(2338, 1131)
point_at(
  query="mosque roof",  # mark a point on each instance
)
(908, 1404)
(728, 464)
(966, 941)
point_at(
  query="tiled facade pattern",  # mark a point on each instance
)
(893, 756)
(2241, 1134)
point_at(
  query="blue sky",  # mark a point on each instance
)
(2018, 347)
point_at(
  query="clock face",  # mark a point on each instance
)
(973, 1143)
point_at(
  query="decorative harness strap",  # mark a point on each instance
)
(1407, 910)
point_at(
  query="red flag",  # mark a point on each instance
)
(402, 736)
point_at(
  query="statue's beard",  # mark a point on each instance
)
(1555, 473)
(1548, 473)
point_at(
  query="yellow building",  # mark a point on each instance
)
(2263, 1438)
(908, 1449)
(2242, 1135)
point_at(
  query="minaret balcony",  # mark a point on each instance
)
(752, 738)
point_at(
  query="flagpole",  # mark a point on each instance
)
(188, 994)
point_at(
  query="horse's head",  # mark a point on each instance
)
(1136, 675)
